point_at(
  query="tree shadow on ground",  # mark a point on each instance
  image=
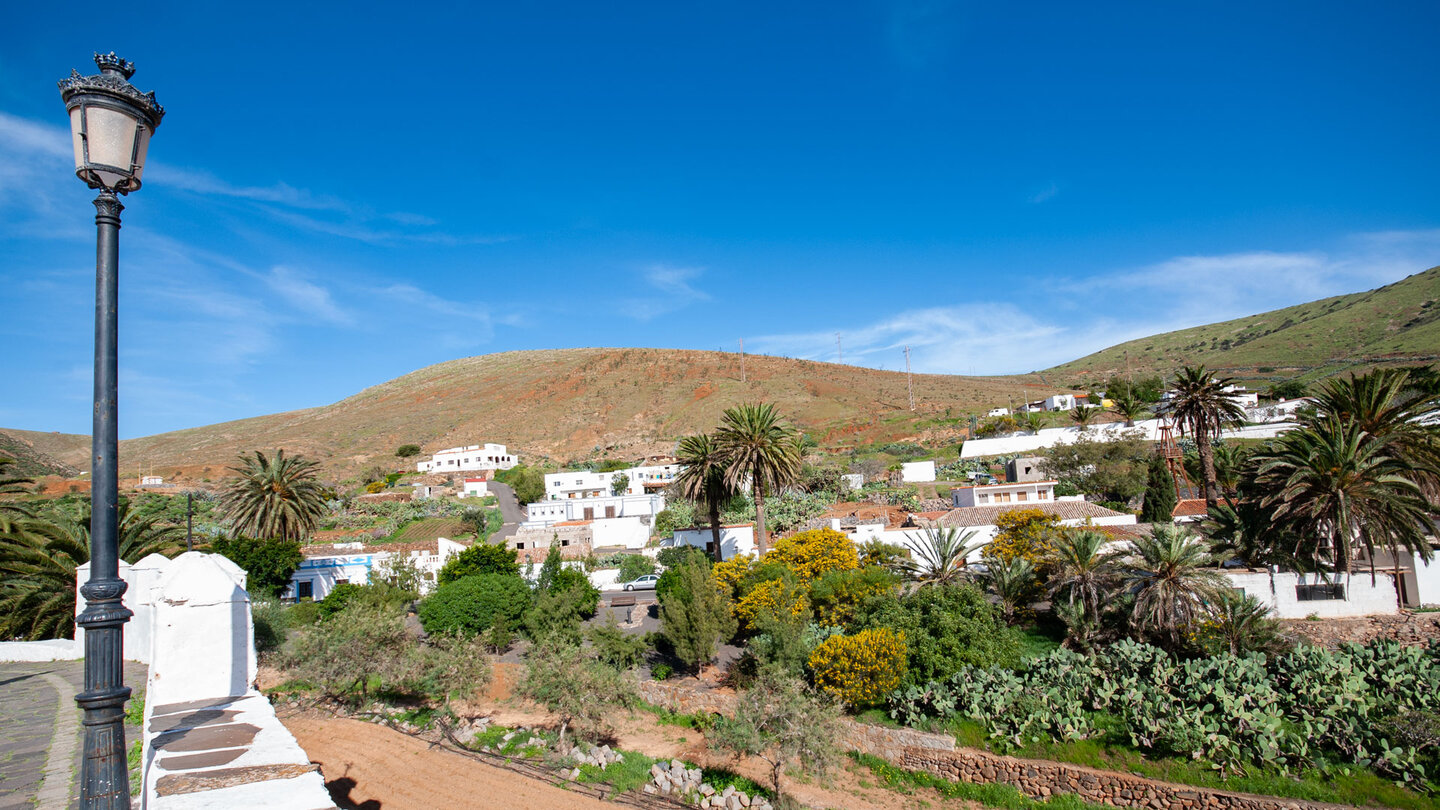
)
(340, 788)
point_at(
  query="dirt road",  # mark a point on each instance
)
(371, 767)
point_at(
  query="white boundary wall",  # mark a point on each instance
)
(1361, 598)
(1050, 437)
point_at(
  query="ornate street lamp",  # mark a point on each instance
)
(111, 123)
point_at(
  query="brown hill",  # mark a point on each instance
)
(571, 404)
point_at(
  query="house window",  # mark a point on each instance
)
(1320, 592)
(589, 513)
(520, 546)
(1022, 496)
(305, 590)
(609, 511)
(564, 542)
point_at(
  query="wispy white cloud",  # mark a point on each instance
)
(670, 289)
(1045, 195)
(306, 296)
(1066, 320)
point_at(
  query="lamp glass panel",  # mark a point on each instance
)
(144, 136)
(111, 135)
(76, 116)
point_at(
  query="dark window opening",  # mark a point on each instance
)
(1320, 592)
(305, 590)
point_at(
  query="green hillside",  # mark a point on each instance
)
(1397, 323)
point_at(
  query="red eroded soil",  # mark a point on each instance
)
(368, 765)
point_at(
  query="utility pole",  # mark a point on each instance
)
(189, 514)
(742, 360)
(909, 383)
(839, 350)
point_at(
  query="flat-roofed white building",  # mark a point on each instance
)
(469, 458)
(585, 484)
(612, 506)
(1003, 494)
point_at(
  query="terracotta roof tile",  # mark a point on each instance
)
(986, 515)
(1190, 507)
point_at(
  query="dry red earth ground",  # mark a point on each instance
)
(375, 767)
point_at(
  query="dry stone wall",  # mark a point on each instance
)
(1039, 779)
(1408, 628)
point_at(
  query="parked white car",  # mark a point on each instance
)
(646, 582)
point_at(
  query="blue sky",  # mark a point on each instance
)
(340, 194)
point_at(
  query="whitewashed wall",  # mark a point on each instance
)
(733, 539)
(917, 472)
(1362, 598)
(1427, 580)
(1050, 437)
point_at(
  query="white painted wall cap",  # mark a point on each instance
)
(200, 579)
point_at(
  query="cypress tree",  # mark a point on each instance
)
(1159, 494)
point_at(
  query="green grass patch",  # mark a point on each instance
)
(1036, 642)
(631, 773)
(721, 778)
(132, 763)
(991, 795)
(696, 720)
(428, 529)
(135, 709)
(1111, 752)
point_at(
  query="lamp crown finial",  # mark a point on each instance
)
(110, 63)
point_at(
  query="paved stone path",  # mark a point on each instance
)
(40, 732)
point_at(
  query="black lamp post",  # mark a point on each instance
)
(111, 123)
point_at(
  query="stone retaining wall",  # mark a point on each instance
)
(937, 754)
(1408, 628)
(1040, 779)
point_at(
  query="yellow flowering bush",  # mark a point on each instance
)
(813, 553)
(775, 596)
(1024, 533)
(861, 669)
(733, 571)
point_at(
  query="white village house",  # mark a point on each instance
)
(469, 458)
(328, 565)
(584, 484)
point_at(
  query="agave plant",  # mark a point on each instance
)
(938, 555)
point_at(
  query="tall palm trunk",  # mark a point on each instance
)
(715, 528)
(762, 543)
(1209, 483)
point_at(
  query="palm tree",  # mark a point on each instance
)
(1083, 568)
(757, 446)
(703, 480)
(1203, 409)
(11, 485)
(1030, 420)
(1013, 583)
(1083, 415)
(1169, 576)
(1130, 408)
(274, 497)
(939, 555)
(38, 558)
(1386, 405)
(1336, 482)
(1244, 625)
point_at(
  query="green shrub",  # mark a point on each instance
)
(616, 647)
(339, 596)
(268, 564)
(481, 558)
(301, 614)
(635, 566)
(407, 450)
(475, 603)
(946, 628)
(661, 672)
